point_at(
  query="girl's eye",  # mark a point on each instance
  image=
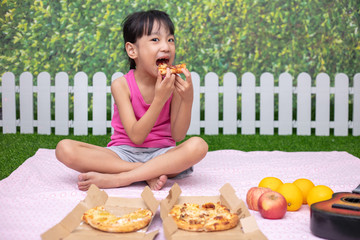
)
(171, 40)
(155, 39)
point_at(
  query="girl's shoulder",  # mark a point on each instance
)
(123, 79)
(120, 81)
(120, 85)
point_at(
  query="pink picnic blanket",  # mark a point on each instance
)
(42, 191)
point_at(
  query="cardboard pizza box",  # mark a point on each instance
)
(72, 227)
(246, 229)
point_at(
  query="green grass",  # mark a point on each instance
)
(16, 148)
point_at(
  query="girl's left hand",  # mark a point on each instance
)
(184, 88)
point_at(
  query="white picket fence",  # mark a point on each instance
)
(248, 95)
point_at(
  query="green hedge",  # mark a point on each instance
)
(234, 35)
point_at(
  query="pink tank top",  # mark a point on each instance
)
(160, 135)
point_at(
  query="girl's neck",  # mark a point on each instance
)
(144, 77)
(146, 85)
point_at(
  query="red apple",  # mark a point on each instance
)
(272, 205)
(253, 195)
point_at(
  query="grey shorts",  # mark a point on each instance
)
(136, 154)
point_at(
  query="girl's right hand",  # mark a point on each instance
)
(164, 86)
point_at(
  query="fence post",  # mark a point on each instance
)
(356, 106)
(285, 104)
(26, 103)
(303, 113)
(8, 103)
(43, 104)
(99, 104)
(322, 117)
(248, 107)
(61, 104)
(80, 104)
(230, 104)
(341, 117)
(267, 104)
(194, 128)
(211, 104)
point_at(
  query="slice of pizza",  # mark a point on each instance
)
(174, 69)
(210, 217)
(103, 220)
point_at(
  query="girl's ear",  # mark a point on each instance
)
(131, 50)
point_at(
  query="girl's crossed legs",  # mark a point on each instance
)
(105, 169)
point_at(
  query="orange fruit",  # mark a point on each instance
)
(270, 182)
(292, 194)
(305, 186)
(319, 193)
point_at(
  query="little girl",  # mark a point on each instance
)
(151, 114)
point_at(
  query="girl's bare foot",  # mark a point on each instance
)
(105, 180)
(157, 183)
(101, 180)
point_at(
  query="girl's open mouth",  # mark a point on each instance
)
(162, 61)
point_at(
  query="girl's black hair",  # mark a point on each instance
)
(140, 23)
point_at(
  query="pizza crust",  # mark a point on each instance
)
(209, 217)
(103, 220)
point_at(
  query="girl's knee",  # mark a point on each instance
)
(199, 146)
(63, 150)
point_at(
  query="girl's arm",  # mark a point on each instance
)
(181, 106)
(138, 130)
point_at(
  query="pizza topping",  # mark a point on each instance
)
(218, 217)
(210, 217)
(209, 205)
